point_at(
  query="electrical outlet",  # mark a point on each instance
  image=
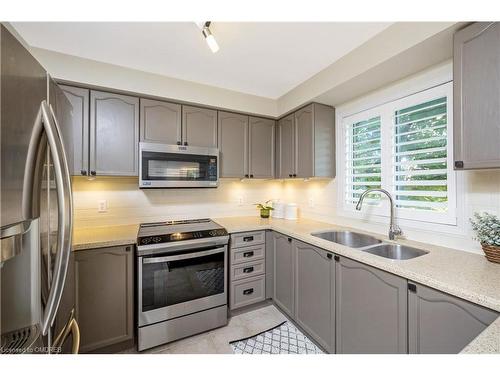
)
(102, 206)
(310, 202)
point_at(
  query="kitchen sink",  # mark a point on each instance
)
(395, 251)
(347, 238)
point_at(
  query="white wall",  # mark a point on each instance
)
(90, 72)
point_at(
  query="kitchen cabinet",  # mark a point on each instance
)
(315, 293)
(246, 145)
(104, 293)
(306, 143)
(284, 286)
(79, 100)
(476, 96)
(114, 134)
(261, 147)
(442, 324)
(160, 121)
(233, 144)
(199, 126)
(371, 309)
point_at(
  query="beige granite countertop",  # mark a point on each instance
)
(97, 237)
(459, 273)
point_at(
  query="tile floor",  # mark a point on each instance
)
(245, 324)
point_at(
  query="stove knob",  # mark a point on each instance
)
(212, 233)
(145, 241)
(156, 239)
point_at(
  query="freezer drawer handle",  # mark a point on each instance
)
(248, 238)
(248, 291)
(248, 254)
(248, 270)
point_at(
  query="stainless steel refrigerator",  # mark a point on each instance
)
(36, 205)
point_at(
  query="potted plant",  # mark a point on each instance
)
(265, 209)
(487, 229)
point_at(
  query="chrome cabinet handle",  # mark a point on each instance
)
(46, 127)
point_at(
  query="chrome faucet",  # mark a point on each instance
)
(394, 229)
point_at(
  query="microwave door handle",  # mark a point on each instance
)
(65, 211)
(183, 256)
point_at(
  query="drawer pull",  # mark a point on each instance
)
(248, 254)
(248, 291)
(248, 270)
(248, 238)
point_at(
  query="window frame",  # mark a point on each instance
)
(386, 110)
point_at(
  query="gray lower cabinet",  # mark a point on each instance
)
(315, 293)
(284, 286)
(476, 109)
(160, 121)
(114, 134)
(104, 294)
(371, 309)
(261, 147)
(199, 126)
(442, 324)
(233, 144)
(306, 143)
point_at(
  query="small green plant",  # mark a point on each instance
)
(487, 228)
(265, 209)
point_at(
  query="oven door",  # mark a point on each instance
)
(177, 166)
(170, 286)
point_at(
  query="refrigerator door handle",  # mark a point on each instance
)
(46, 127)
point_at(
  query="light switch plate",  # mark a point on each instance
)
(102, 206)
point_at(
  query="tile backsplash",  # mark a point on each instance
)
(317, 199)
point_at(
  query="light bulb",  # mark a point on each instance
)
(212, 43)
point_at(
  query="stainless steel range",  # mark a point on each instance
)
(181, 279)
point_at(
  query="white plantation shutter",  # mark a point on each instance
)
(363, 158)
(405, 147)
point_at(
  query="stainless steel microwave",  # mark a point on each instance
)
(177, 166)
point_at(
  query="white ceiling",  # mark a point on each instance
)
(265, 59)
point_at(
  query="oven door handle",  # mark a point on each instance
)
(170, 258)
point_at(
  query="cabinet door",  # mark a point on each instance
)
(476, 82)
(104, 296)
(114, 139)
(261, 147)
(315, 293)
(304, 135)
(443, 324)
(79, 100)
(233, 144)
(371, 310)
(160, 121)
(199, 126)
(286, 147)
(283, 273)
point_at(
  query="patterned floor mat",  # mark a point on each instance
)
(282, 339)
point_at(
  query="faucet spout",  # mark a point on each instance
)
(394, 229)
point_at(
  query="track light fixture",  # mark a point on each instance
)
(210, 39)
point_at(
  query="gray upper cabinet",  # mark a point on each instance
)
(476, 90)
(306, 143)
(284, 291)
(199, 126)
(233, 144)
(104, 293)
(315, 293)
(114, 134)
(79, 100)
(371, 309)
(443, 324)
(160, 121)
(286, 147)
(261, 147)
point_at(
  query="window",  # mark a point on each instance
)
(404, 147)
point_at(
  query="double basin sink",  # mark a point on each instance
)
(372, 245)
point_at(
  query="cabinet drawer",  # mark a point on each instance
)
(247, 254)
(244, 270)
(248, 238)
(248, 291)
